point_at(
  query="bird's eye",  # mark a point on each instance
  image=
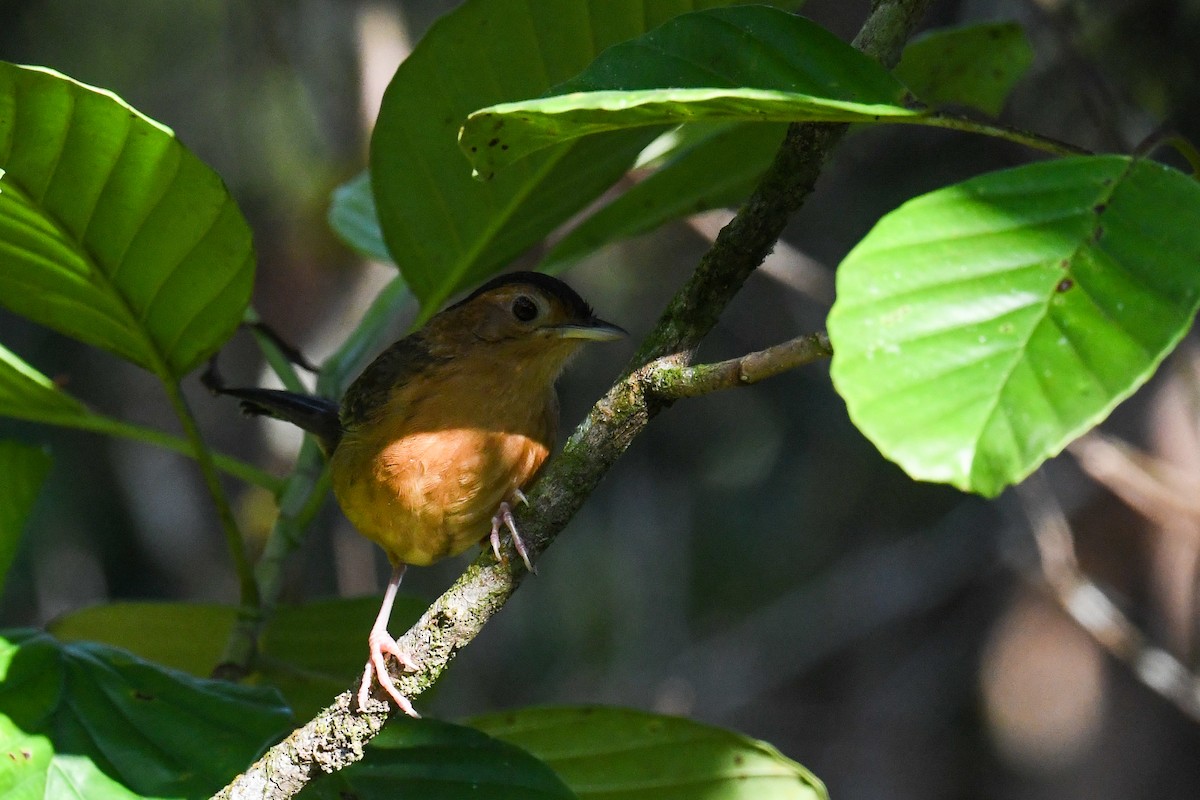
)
(524, 309)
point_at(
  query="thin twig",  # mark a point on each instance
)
(1159, 491)
(1035, 141)
(669, 382)
(1093, 610)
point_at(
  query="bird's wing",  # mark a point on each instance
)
(393, 368)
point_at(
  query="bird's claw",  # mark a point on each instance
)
(382, 644)
(504, 517)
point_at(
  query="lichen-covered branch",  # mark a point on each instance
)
(673, 383)
(336, 737)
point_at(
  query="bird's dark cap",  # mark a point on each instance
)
(569, 297)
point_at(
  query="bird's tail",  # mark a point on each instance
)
(317, 415)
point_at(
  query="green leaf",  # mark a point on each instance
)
(310, 652)
(110, 230)
(34, 771)
(446, 231)
(430, 759)
(352, 217)
(79, 719)
(22, 469)
(972, 65)
(980, 328)
(27, 394)
(749, 63)
(154, 631)
(621, 754)
(715, 171)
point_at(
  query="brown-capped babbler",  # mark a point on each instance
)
(434, 441)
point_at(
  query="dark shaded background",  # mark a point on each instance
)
(752, 561)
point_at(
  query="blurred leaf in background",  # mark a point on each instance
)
(23, 468)
(968, 65)
(309, 652)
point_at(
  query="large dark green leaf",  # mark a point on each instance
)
(309, 652)
(430, 759)
(22, 470)
(84, 720)
(110, 230)
(747, 63)
(444, 230)
(980, 328)
(971, 65)
(622, 754)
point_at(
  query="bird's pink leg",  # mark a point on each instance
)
(504, 517)
(382, 644)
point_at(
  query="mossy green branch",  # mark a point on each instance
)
(671, 382)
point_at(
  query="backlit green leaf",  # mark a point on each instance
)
(747, 63)
(980, 328)
(110, 230)
(27, 394)
(622, 754)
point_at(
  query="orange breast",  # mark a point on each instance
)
(425, 482)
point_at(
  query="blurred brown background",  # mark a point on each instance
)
(752, 561)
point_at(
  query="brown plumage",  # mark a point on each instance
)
(436, 438)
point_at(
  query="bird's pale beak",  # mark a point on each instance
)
(596, 330)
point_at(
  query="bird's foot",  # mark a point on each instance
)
(382, 645)
(504, 517)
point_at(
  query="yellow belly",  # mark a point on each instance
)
(428, 495)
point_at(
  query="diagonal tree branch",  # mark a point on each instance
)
(335, 738)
